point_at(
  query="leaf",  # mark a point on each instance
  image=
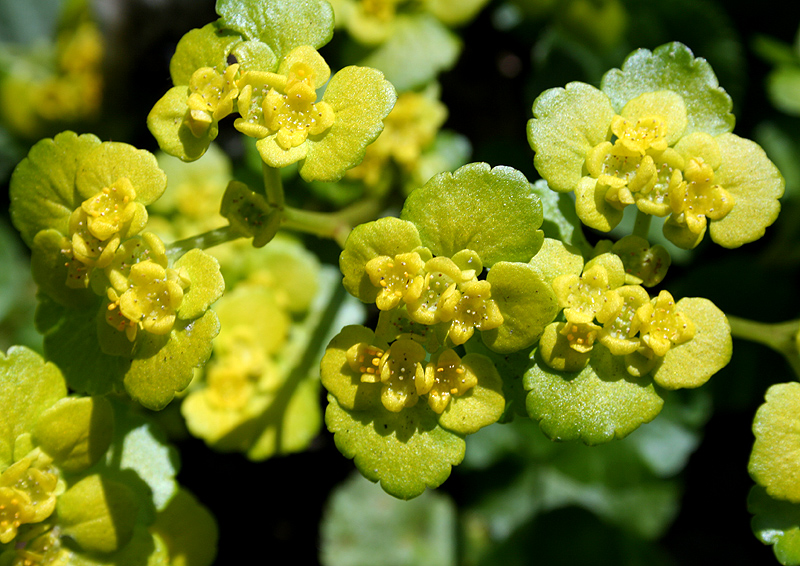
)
(774, 462)
(281, 24)
(141, 458)
(76, 432)
(567, 123)
(42, 188)
(776, 523)
(783, 85)
(359, 518)
(206, 283)
(596, 404)
(386, 236)
(406, 451)
(160, 368)
(28, 387)
(419, 48)
(560, 220)
(208, 46)
(103, 165)
(527, 304)
(166, 121)
(490, 211)
(756, 185)
(189, 531)
(482, 405)
(99, 514)
(673, 67)
(693, 363)
(361, 98)
(70, 340)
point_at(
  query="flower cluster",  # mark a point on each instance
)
(64, 498)
(273, 86)
(80, 204)
(656, 136)
(444, 280)
(598, 306)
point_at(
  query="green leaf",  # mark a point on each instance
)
(482, 405)
(776, 523)
(773, 463)
(76, 432)
(406, 451)
(188, 530)
(359, 518)
(281, 24)
(339, 378)
(596, 404)
(783, 85)
(43, 193)
(567, 123)
(141, 458)
(207, 284)
(208, 46)
(560, 223)
(166, 121)
(386, 236)
(103, 165)
(28, 387)
(527, 303)
(756, 185)
(673, 67)
(489, 211)
(70, 340)
(98, 513)
(50, 272)
(556, 258)
(419, 48)
(693, 363)
(361, 98)
(511, 368)
(164, 365)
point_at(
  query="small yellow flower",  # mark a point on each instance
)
(660, 326)
(402, 374)
(447, 377)
(394, 276)
(151, 301)
(583, 297)
(698, 198)
(475, 309)
(211, 97)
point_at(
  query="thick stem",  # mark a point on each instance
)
(273, 186)
(335, 225)
(203, 241)
(780, 336)
(641, 226)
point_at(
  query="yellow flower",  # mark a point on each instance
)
(151, 301)
(446, 377)
(660, 326)
(211, 97)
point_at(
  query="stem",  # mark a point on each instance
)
(781, 336)
(203, 241)
(641, 226)
(273, 186)
(335, 225)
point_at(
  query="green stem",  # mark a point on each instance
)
(273, 186)
(203, 241)
(641, 226)
(336, 225)
(780, 336)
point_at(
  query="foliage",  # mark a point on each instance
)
(302, 240)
